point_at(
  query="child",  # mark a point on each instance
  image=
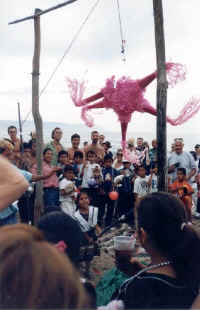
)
(87, 218)
(88, 166)
(109, 174)
(68, 191)
(153, 180)
(63, 160)
(183, 190)
(78, 167)
(142, 183)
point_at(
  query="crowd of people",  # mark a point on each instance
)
(86, 189)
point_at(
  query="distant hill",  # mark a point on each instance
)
(69, 129)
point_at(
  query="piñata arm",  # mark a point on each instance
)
(175, 72)
(147, 80)
(84, 113)
(77, 89)
(151, 110)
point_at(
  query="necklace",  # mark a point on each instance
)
(162, 264)
(156, 266)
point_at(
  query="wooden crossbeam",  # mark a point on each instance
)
(40, 12)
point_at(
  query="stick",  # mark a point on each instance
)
(36, 116)
(20, 128)
(161, 95)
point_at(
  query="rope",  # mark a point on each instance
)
(65, 53)
(121, 33)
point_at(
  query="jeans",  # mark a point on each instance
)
(51, 197)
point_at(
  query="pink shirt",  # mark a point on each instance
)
(52, 181)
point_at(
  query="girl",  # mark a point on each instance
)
(87, 218)
(68, 191)
(173, 277)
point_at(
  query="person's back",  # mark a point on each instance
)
(157, 291)
(173, 277)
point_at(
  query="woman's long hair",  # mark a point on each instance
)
(163, 218)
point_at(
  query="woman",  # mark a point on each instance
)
(172, 279)
(35, 275)
(118, 164)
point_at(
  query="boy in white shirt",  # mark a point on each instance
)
(68, 191)
(87, 171)
(142, 183)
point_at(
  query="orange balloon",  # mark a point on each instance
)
(113, 195)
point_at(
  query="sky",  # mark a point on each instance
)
(96, 56)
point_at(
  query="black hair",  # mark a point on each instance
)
(11, 127)
(83, 191)
(68, 168)
(25, 146)
(75, 135)
(163, 217)
(183, 170)
(46, 150)
(62, 153)
(57, 226)
(91, 152)
(194, 155)
(137, 168)
(108, 157)
(53, 132)
(78, 154)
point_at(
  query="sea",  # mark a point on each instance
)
(113, 136)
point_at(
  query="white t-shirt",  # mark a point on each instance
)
(141, 186)
(88, 173)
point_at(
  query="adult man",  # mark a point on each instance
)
(101, 139)
(153, 152)
(140, 147)
(197, 152)
(94, 146)
(75, 141)
(55, 144)
(12, 132)
(180, 159)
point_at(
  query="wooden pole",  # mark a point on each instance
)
(36, 115)
(161, 96)
(20, 128)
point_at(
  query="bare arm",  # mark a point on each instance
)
(191, 174)
(12, 183)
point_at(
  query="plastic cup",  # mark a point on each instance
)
(124, 243)
(124, 250)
